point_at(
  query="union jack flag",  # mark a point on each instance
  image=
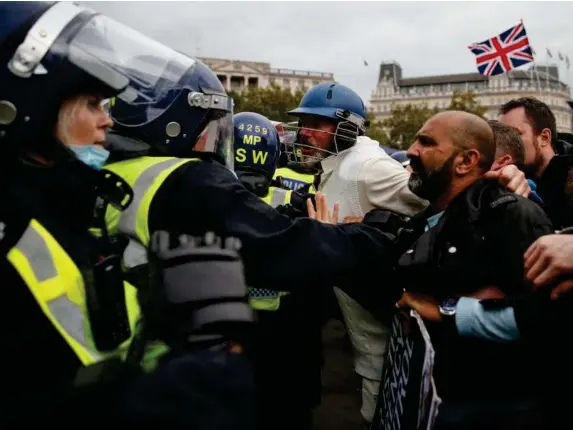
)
(504, 52)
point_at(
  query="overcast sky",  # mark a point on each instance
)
(425, 38)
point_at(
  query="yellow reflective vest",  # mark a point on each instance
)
(145, 175)
(294, 180)
(263, 299)
(58, 286)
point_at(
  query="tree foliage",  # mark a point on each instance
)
(467, 102)
(376, 130)
(405, 122)
(273, 102)
(398, 131)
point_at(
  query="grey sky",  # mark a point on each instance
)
(426, 38)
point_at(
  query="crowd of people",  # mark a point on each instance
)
(165, 258)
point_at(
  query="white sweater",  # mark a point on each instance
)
(364, 177)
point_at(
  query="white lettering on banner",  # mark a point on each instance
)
(408, 399)
(429, 400)
(395, 384)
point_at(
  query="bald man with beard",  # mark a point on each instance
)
(470, 241)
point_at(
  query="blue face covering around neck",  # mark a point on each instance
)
(93, 155)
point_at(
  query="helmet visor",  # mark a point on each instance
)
(147, 71)
(217, 136)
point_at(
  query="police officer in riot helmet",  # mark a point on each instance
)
(53, 78)
(186, 113)
(287, 337)
(257, 154)
(61, 60)
(257, 151)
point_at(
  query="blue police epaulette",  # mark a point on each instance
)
(503, 200)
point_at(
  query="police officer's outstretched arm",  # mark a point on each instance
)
(277, 251)
(194, 197)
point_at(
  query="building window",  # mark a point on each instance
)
(237, 83)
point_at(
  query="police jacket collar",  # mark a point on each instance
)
(67, 190)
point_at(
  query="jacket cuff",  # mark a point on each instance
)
(465, 310)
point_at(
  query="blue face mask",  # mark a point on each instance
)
(93, 155)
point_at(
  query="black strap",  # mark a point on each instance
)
(137, 347)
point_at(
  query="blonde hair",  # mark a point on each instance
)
(67, 118)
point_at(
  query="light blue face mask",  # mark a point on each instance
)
(93, 155)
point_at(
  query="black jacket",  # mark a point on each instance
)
(481, 237)
(39, 366)
(555, 187)
(479, 241)
(197, 388)
(206, 196)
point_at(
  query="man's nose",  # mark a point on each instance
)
(413, 151)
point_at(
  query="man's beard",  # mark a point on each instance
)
(312, 157)
(532, 169)
(430, 185)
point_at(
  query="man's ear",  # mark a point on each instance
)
(466, 161)
(500, 162)
(545, 137)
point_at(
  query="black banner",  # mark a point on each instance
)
(407, 399)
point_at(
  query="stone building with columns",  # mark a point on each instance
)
(238, 75)
(492, 92)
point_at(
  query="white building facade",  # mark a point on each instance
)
(238, 75)
(492, 92)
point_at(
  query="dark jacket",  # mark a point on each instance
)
(479, 241)
(199, 388)
(39, 366)
(206, 196)
(555, 187)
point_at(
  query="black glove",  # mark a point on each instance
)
(297, 206)
(197, 290)
(386, 221)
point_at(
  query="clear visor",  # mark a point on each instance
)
(124, 58)
(217, 138)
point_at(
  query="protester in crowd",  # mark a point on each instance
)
(469, 242)
(553, 173)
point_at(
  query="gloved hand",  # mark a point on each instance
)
(386, 221)
(297, 206)
(197, 291)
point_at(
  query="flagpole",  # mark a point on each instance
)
(536, 71)
(546, 68)
(567, 75)
(535, 66)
